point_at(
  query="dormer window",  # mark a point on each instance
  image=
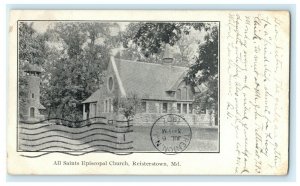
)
(110, 83)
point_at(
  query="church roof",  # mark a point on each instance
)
(93, 98)
(148, 80)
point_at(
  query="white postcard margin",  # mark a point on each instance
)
(254, 98)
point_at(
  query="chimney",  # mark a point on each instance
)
(168, 57)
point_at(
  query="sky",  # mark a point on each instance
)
(41, 26)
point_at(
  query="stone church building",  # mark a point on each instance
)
(160, 87)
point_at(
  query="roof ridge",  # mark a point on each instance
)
(157, 64)
(117, 73)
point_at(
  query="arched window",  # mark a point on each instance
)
(184, 94)
(109, 105)
(110, 83)
(106, 106)
(31, 112)
(178, 94)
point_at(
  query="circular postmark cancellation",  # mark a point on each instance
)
(171, 134)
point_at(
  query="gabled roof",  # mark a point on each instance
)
(148, 80)
(93, 98)
(176, 84)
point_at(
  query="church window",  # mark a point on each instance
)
(190, 108)
(165, 108)
(178, 94)
(184, 108)
(178, 107)
(144, 106)
(184, 93)
(110, 83)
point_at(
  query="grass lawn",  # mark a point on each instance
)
(203, 139)
(39, 137)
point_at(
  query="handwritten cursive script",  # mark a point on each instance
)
(255, 58)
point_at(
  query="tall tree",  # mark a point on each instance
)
(31, 48)
(82, 58)
(151, 37)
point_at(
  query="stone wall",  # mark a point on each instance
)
(204, 120)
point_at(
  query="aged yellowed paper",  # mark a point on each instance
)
(112, 92)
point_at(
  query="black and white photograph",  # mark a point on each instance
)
(143, 92)
(118, 87)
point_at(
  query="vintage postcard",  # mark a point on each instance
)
(148, 92)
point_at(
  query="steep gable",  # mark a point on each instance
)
(148, 80)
